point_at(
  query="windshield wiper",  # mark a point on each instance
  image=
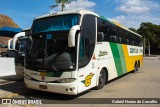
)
(51, 62)
(53, 67)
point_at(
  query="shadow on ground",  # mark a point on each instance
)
(17, 86)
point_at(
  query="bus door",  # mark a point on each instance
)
(87, 67)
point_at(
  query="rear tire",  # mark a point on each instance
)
(136, 67)
(102, 79)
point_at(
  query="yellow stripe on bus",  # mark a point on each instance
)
(130, 60)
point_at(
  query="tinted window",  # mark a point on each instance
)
(55, 23)
(51, 52)
(103, 29)
(87, 40)
(121, 35)
(113, 33)
(107, 31)
(132, 40)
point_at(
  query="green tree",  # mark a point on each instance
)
(61, 3)
(155, 45)
(133, 29)
(147, 31)
(156, 31)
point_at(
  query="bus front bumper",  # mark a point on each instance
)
(62, 88)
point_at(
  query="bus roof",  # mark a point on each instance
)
(85, 12)
(118, 24)
(67, 12)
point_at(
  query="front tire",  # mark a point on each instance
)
(102, 79)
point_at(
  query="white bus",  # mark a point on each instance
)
(74, 51)
(16, 49)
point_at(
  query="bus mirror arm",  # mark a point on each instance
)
(71, 35)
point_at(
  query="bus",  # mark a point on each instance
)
(19, 46)
(16, 49)
(74, 51)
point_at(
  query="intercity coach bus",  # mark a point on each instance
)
(16, 50)
(73, 51)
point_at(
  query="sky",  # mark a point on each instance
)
(129, 13)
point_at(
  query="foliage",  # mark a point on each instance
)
(133, 29)
(151, 32)
(61, 3)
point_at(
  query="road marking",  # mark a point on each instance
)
(29, 105)
(6, 82)
(11, 95)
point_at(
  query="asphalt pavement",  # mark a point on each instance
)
(145, 83)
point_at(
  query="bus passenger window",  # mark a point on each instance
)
(120, 40)
(132, 42)
(102, 27)
(100, 36)
(113, 34)
(113, 38)
(127, 41)
(136, 41)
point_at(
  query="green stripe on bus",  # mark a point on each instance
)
(102, 17)
(117, 59)
(123, 62)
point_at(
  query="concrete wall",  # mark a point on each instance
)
(7, 66)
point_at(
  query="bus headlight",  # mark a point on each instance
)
(66, 80)
(27, 76)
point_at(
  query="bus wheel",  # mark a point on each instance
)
(138, 65)
(135, 67)
(102, 79)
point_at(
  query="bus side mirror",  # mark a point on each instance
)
(72, 34)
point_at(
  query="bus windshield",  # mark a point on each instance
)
(55, 23)
(21, 46)
(50, 52)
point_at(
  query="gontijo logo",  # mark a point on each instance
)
(87, 80)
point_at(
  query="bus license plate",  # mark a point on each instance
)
(42, 87)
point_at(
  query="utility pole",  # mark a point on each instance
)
(144, 46)
(149, 48)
